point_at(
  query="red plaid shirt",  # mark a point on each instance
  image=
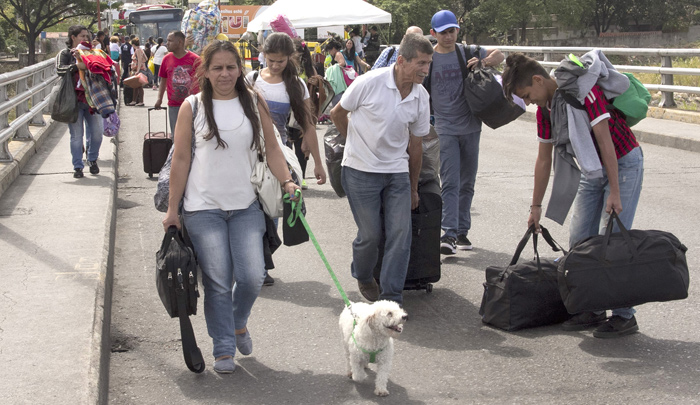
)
(597, 107)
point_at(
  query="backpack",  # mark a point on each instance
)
(633, 103)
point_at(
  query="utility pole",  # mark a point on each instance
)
(99, 17)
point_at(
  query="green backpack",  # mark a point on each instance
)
(634, 102)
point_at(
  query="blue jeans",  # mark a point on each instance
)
(172, 117)
(368, 194)
(459, 162)
(92, 127)
(589, 217)
(229, 250)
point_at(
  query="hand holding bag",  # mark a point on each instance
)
(623, 269)
(485, 95)
(65, 106)
(523, 295)
(176, 280)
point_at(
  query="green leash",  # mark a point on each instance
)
(291, 221)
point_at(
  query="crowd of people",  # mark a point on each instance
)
(382, 108)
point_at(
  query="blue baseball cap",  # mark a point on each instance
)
(443, 20)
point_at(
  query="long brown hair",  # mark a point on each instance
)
(281, 43)
(246, 93)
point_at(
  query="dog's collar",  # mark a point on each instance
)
(372, 354)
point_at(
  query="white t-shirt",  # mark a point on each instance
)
(220, 177)
(160, 54)
(277, 100)
(380, 122)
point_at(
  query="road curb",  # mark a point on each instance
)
(101, 342)
(101, 339)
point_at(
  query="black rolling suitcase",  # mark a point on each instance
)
(156, 146)
(424, 263)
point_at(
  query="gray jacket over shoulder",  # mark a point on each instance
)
(575, 151)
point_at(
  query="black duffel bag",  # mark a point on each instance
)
(623, 269)
(176, 280)
(523, 295)
(485, 96)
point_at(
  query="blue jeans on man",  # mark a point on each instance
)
(92, 127)
(459, 162)
(589, 217)
(367, 194)
(229, 247)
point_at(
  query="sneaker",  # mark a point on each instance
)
(244, 343)
(225, 365)
(616, 326)
(78, 173)
(268, 280)
(304, 186)
(94, 169)
(583, 321)
(447, 245)
(369, 290)
(463, 242)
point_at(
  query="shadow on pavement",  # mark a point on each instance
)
(256, 383)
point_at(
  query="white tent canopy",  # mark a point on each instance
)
(317, 13)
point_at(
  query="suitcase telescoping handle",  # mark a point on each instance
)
(149, 121)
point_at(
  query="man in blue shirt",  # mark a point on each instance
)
(391, 53)
(458, 130)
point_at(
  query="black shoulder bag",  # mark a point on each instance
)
(176, 280)
(485, 95)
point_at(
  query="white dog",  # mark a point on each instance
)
(368, 332)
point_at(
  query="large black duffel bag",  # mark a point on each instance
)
(523, 295)
(623, 269)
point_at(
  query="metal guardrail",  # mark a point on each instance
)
(29, 103)
(666, 70)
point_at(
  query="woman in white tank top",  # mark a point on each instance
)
(221, 210)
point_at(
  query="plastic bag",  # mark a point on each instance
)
(111, 125)
(334, 144)
(151, 65)
(282, 24)
(65, 106)
(201, 25)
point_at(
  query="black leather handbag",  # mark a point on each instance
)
(623, 269)
(176, 280)
(523, 295)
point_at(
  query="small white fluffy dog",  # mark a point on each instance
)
(375, 327)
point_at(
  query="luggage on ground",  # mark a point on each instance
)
(156, 146)
(176, 281)
(128, 94)
(523, 295)
(623, 269)
(424, 263)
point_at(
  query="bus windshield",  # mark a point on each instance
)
(155, 23)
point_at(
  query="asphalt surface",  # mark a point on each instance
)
(56, 236)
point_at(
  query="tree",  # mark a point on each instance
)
(31, 17)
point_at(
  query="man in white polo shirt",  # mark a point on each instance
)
(381, 163)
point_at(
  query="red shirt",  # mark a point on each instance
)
(598, 109)
(180, 73)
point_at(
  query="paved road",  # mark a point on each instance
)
(446, 355)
